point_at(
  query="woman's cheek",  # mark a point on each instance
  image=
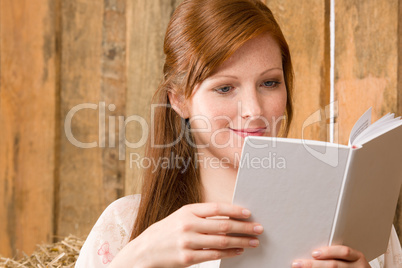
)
(277, 109)
(223, 139)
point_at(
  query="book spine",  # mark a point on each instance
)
(335, 225)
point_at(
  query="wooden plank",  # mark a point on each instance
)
(113, 93)
(80, 191)
(27, 118)
(366, 62)
(145, 63)
(305, 25)
(93, 74)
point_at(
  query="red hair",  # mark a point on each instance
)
(201, 35)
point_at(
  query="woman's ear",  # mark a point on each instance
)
(179, 103)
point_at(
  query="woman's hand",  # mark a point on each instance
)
(334, 256)
(188, 236)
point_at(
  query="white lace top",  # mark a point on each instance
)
(113, 229)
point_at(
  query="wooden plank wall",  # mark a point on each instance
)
(106, 57)
(93, 72)
(27, 123)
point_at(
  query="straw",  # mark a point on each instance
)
(61, 254)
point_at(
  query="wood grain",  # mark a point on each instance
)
(80, 184)
(113, 93)
(366, 59)
(93, 72)
(27, 119)
(305, 25)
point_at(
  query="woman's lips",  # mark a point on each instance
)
(249, 132)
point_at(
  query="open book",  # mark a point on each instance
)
(309, 194)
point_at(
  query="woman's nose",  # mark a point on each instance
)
(251, 105)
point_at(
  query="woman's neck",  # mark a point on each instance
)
(218, 182)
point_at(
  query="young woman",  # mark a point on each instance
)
(227, 75)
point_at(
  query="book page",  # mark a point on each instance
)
(363, 131)
(377, 124)
(361, 124)
(370, 195)
(292, 193)
(376, 130)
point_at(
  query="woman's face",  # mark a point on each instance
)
(245, 96)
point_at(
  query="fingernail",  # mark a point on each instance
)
(239, 251)
(246, 212)
(297, 265)
(254, 242)
(258, 229)
(316, 253)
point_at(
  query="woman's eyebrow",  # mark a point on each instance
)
(235, 77)
(272, 69)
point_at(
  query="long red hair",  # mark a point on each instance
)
(201, 35)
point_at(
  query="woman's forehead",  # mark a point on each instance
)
(262, 50)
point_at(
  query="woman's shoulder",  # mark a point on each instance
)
(133, 199)
(110, 233)
(120, 214)
(121, 211)
(121, 205)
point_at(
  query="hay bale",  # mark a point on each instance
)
(60, 254)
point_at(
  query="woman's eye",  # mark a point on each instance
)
(223, 90)
(271, 84)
